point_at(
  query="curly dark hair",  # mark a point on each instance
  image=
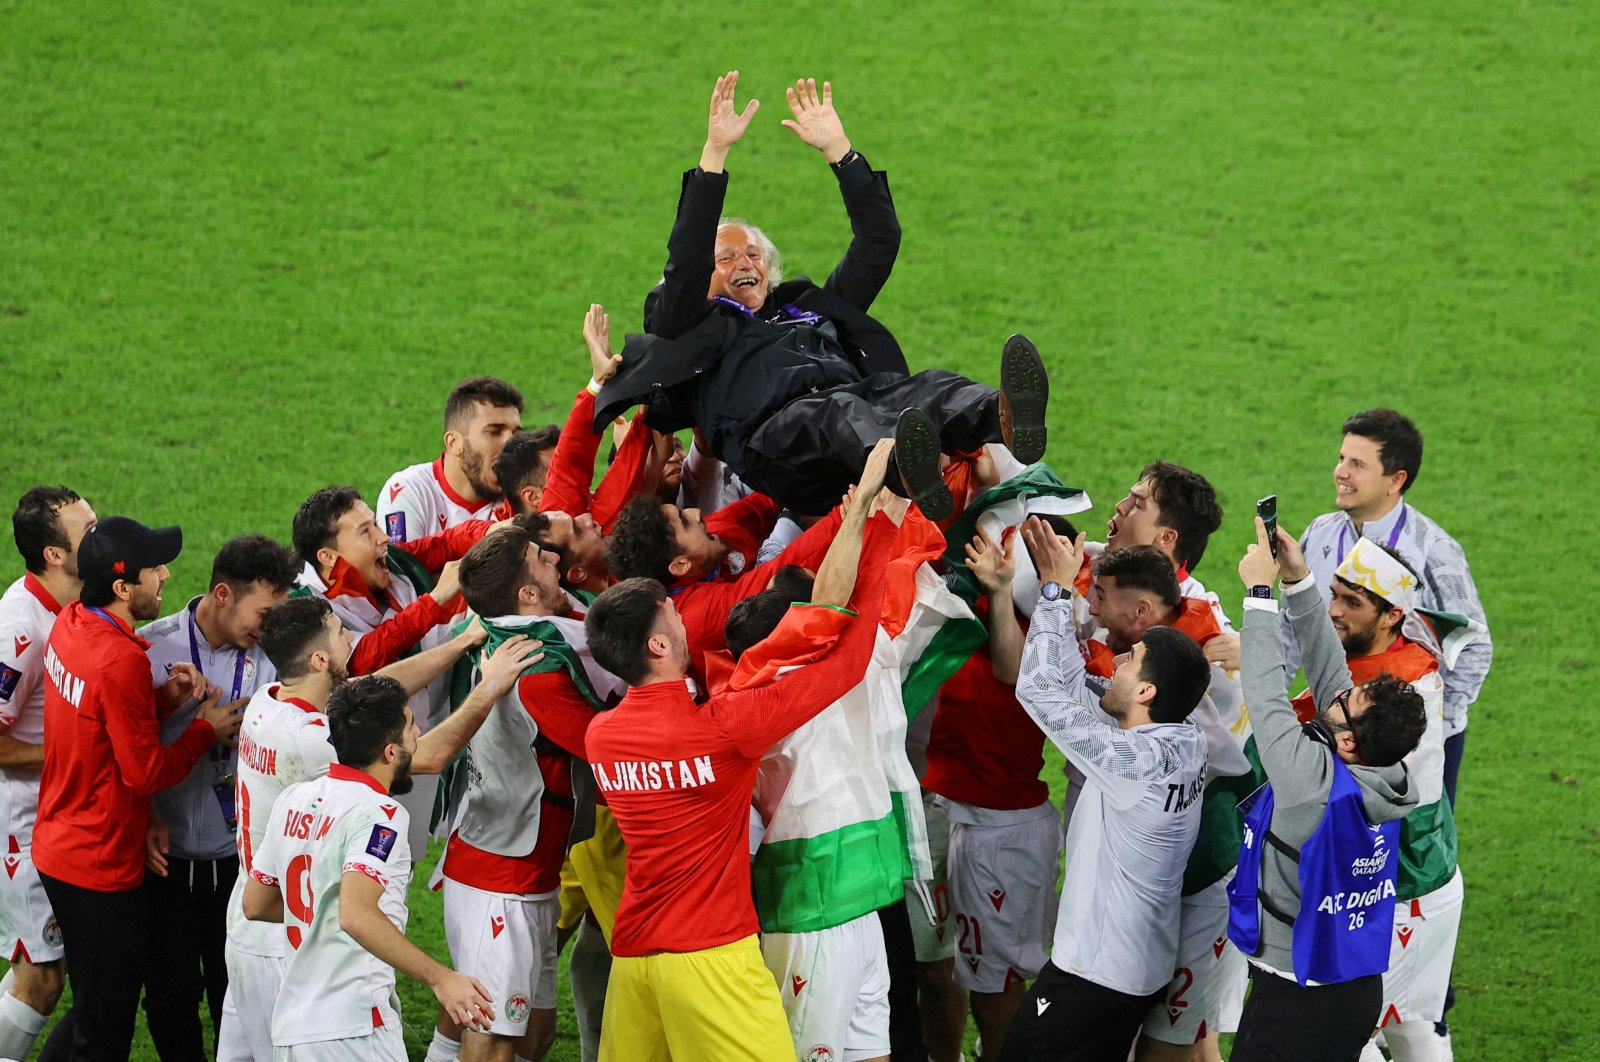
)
(1392, 724)
(752, 619)
(641, 543)
(35, 524)
(247, 559)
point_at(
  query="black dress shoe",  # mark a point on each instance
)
(916, 456)
(1024, 393)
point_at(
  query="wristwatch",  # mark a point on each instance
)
(1260, 590)
(1050, 591)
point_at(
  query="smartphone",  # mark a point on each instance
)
(1267, 509)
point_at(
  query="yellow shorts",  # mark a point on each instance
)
(699, 1006)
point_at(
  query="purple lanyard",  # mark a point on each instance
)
(1394, 536)
(194, 655)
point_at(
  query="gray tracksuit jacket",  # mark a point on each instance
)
(1298, 763)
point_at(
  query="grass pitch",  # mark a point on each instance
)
(245, 250)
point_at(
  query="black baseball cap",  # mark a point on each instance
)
(117, 547)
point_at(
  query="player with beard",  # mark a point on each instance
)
(334, 868)
(47, 526)
(1135, 588)
(460, 484)
(502, 866)
(1374, 592)
(284, 740)
(1131, 835)
(103, 761)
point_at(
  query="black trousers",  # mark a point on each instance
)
(809, 452)
(905, 1016)
(188, 912)
(1065, 1018)
(1283, 1022)
(107, 937)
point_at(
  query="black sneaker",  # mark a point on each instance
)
(1024, 393)
(916, 455)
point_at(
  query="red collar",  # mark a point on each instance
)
(345, 581)
(449, 491)
(350, 774)
(32, 584)
(304, 706)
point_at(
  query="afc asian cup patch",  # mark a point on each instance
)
(516, 1009)
(395, 525)
(382, 842)
(9, 677)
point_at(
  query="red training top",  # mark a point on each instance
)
(103, 757)
(679, 777)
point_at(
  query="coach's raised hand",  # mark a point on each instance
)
(815, 121)
(726, 124)
(597, 337)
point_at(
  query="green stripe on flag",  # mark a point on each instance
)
(810, 883)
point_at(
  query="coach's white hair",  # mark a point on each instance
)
(769, 250)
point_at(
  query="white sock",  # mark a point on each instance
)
(19, 1026)
(442, 1049)
(1413, 1041)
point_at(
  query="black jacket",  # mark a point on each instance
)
(690, 336)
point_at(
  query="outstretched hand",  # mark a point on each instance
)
(873, 475)
(597, 334)
(1057, 559)
(815, 121)
(992, 566)
(726, 124)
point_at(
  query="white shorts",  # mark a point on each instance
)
(1421, 953)
(385, 1044)
(1209, 968)
(508, 943)
(933, 940)
(245, 1031)
(1003, 891)
(28, 928)
(835, 989)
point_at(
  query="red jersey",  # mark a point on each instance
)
(103, 757)
(679, 777)
(984, 749)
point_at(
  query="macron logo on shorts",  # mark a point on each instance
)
(1044, 1005)
(382, 842)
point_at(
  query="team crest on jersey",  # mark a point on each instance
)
(516, 1009)
(9, 677)
(819, 1053)
(395, 524)
(52, 932)
(735, 561)
(381, 842)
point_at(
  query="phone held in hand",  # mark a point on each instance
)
(1267, 509)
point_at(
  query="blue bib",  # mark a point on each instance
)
(1347, 886)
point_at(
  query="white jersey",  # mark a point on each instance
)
(1446, 586)
(281, 742)
(321, 830)
(27, 612)
(197, 810)
(1134, 825)
(418, 501)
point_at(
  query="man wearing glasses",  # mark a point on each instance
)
(1312, 904)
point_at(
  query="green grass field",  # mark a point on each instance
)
(246, 249)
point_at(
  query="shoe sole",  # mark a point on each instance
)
(916, 455)
(1026, 387)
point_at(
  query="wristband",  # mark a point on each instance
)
(593, 387)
